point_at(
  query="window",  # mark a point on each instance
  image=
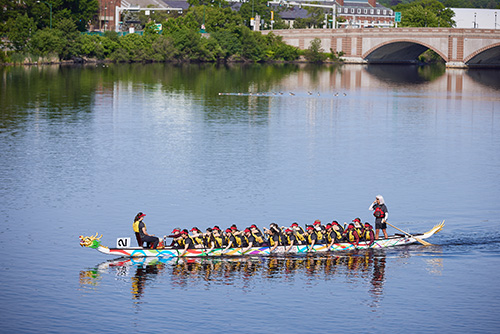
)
(385, 12)
(346, 10)
(372, 11)
(378, 11)
(359, 11)
(366, 11)
(352, 10)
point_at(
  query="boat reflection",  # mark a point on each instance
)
(365, 266)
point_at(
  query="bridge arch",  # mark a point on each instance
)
(488, 55)
(399, 50)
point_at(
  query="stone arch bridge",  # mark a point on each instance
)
(458, 47)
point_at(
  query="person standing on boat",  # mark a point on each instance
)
(381, 214)
(140, 227)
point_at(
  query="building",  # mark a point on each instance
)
(476, 18)
(362, 14)
(349, 14)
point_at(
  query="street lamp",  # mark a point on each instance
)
(50, 7)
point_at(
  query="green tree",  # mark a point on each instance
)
(315, 53)
(46, 42)
(425, 13)
(20, 30)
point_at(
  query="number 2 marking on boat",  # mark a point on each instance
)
(122, 242)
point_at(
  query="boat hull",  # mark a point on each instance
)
(254, 251)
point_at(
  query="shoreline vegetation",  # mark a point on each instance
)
(179, 41)
(202, 34)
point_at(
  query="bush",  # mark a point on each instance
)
(314, 53)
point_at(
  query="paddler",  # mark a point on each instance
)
(352, 235)
(259, 236)
(219, 237)
(231, 240)
(274, 239)
(299, 233)
(140, 227)
(197, 236)
(368, 234)
(313, 237)
(178, 241)
(209, 240)
(250, 240)
(358, 226)
(290, 239)
(333, 236)
(318, 226)
(336, 226)
(188, 241)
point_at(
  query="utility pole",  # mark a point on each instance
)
(50, 7)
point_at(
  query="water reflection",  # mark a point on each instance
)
(406, 74)
(366, 266)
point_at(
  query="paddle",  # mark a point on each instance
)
(423, 242)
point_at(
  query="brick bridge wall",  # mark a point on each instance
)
(456, 46)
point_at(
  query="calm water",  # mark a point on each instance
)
(84, 149)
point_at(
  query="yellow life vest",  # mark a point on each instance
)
(259, 239)
(219, 241)
(198, 240)
(300, 236)
(238, 239)
(135, 226)
(181, 242)
(350, 236)
(367, 235)
(271, 241)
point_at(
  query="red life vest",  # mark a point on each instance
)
(379, 213)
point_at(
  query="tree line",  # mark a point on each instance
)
(31, 34)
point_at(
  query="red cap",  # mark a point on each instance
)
(317, 221)
(295, 224)
(310, 228)
(184, 232)
(216, 228)
(356, 220)
(143, 215)
(367, 225)
(253, 226)
(175, 230)
(233, 228)
(247, 230)
(328, 225)
(335, 222)
(351, 225)
(288, 230)
(228, 230)
(193, 229)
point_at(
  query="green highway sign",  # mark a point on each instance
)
(397, 16)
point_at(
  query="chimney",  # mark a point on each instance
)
(372, 3)
(340, 2)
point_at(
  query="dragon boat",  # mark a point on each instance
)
(123, 250)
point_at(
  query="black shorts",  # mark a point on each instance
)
(380, 226)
